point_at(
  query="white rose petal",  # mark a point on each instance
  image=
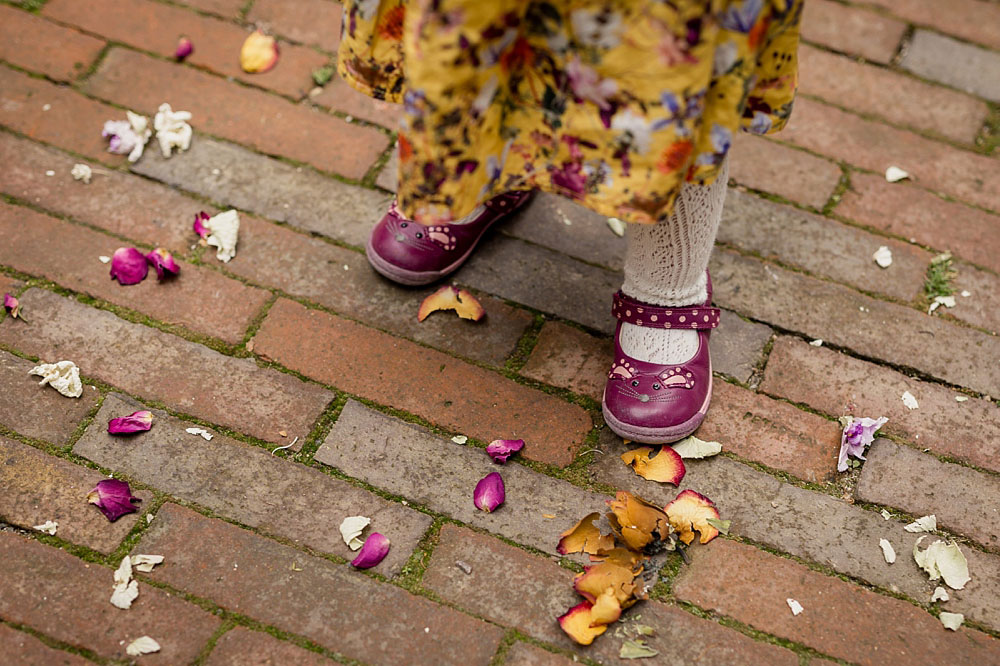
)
(142, 645)
(172, 129)
(952, 620)
(794, 605)
(940, 594)
(104, 259)
(49, 527)
(63, 376)
(145, 563)
(909, 400)
(923, 524)
(692, 447)
(961, 398)
(206, 435)
(816, 343)
(943, 561)
(894, 174)
(225, 228)
(617, 226)
(883, 257)
(351, 528)
(81, 172)
(887, 551)
(460, 439)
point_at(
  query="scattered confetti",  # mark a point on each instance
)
(909, 400)
(49, 527)
(795, 606)
(883, 257)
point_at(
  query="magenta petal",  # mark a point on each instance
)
(134, 422)
(129, 266)
(489, 492)
(184, 48)
(372, 552)
(857, 435)
(199, 224)
(113, 498)
(12, 305)
(501, 449)
(163, 262)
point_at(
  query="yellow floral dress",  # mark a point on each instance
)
(612, 103)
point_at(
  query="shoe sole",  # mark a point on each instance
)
(666, 435)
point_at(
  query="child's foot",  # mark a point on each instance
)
(413, 254)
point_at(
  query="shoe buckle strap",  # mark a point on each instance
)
(655, 316)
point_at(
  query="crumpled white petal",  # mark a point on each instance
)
(125, 590)
(894, 174)
(909, 401)
(887, 551)
(923, 524)
(225, 228)
(63, 376)
(952, 620)
(794, 605)
(140, 125)
(351, 528)
(172, 129)
(943, 561)
(142, 645)
(206, 435)
(145, 563)
(883, 256)
(692, 447)
(81, 172)
(49, 527)
(940, 594)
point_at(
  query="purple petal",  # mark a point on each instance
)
(858, 434)
(199, 226)
(12, 305)
(163, 262)
(134, 422)
(122, 138)
(489, 493)
(113, 498)
(372, 552)
(129, 266)
(184, 48)
(501, 449)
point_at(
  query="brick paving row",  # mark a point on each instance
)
(297, 337)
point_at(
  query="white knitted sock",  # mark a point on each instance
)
(665, 264)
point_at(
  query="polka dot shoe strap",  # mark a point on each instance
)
(654, 316)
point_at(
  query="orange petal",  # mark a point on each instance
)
(606, 609)
(259, 52)
(585, 538)
(636, 522)
(623, 557)
(596, 579)
(452, 298)
(666, 467)
(577, 624)
(690, 512)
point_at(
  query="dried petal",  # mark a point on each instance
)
(205, 435)
(894, 174)
(124, 594)
(452, 298)
(113, 498)
(691, 511)
(692, 447)
(598, 578)
(858, 433)
(637, 523)
(184, 48)
(128, 266)
(134, 422)
(909, 401)
(584, 537)
(501, 449)
(577, 621)
(721, 525)
(606, 609)
(940, 594)
(351, 528)
(49, 527)
(199, 224)
(951, 620)
(374, 550)
(142, 645)
(617, 226)
(82, 172)
(943, 561)
(127, 136)
(883, 256)
(259, 52)
(923, 524)
(635, 649)
(63, 376)
(172, 129)
(666, 467)
(460, 439)
(225, 229)
(623, 557)
(489, 493)
(145, 563)
(163, 262)
(12, 305)
(887, 551)
(794, 605)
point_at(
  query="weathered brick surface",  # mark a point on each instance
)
(340, 96)
(900, 99)
(252, 575)
(154, 26)
(875, 146)
(26, 41)
(544, 592)
(974, 20)
(38, 411)
(525, 654)
(762, 164)
(751, 586)
(55, 593)
(271, 188)
(252, 117)
(144, 361)
(851, 29)
(838, 384)
(39, 487)
(441, 475)
(27, 650)
(970, 68)
(965, 501)
(737, 346)
(249, 485)
(813, 526)
(822, 246)
(910, 212)
(388, 177)
(227, 8)
(225, 306)
(433, 385)
(8, 285)
(243, 647)
(872, 328)
(314, 22)
(982, 306)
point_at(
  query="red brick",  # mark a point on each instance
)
(340, 96)
(837, 384)
(67, 599)
(544, 591)
(433, 385)
(871, 145)
(39, 487)
(229, 110)
(315, 22)
(973, 20)
(118, 202)
(27, 650)
(72, 122)
(982, 307)
(908, 211)
(525, 654)
(189, 377)
(243, 647)
(156, 27)
(199, 298)
(349, 612)
(226, 8)
(881, 92)
(38, 411)
(839, 618)
(569, 358)
(762, 164)
(852, 30)
(8, 285)
(29, 42)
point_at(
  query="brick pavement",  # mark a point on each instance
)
(297, 337)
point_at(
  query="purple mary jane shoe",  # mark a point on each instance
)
(413, 254)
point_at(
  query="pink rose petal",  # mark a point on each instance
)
(501, 449)
(858, 434)
(128, 266)
(134, 422)
(113, 498)
(489, 493)
(12, 305)
(199, 224)
(163, 262)
(184, 48)
(374, 550)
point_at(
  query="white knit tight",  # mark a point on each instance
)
(665, 264)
